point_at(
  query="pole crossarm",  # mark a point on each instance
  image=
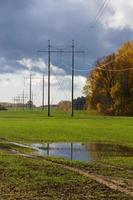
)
(60, 51)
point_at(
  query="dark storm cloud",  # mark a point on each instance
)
(118, 37)
(26, 25)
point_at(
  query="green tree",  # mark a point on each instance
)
(80, 103)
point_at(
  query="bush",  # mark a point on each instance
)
(2, 108)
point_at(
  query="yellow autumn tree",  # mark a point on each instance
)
(109, 87)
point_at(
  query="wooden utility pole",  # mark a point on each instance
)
(49, 73)
(23, 99)
(73, 59)
(43, 87)
(43, 84)
(30, 97)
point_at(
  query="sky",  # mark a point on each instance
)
(27, 25)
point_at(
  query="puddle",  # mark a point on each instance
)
(82, 151)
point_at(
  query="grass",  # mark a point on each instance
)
(113, 167)
(122, 162)
(35, 126)
(25, 178)
(11, 147)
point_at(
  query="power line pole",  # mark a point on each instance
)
(73, 62)
(49, 73)
(23, 98)
(43, 87)
(43, 91)
(73, 65)
(30, 91)
(30, 98)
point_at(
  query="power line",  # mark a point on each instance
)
(96, 18)
(100, 9)
(104, 65)
(100, 12)
(60, 48)
(115, 70)
(72, 52)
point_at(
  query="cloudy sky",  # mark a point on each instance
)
(26, 26)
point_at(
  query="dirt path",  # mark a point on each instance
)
(100, 179)
(112, 184)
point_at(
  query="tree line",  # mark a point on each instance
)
(79, 104)
(109, 86)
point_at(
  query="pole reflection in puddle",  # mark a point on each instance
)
(71, 151)
(47, 149)
(82, 152)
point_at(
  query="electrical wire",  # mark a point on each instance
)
(100, 12)
(97, 17)
(60, 85)
(100, 9)
(103, 69)
(115, 70)
(60, 82)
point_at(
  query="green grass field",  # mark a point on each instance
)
(27, 178)
(35, 126)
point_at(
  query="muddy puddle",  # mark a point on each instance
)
(82, 151)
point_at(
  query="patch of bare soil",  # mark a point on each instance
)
(112, 184)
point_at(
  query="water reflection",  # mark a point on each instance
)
(82, 152)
